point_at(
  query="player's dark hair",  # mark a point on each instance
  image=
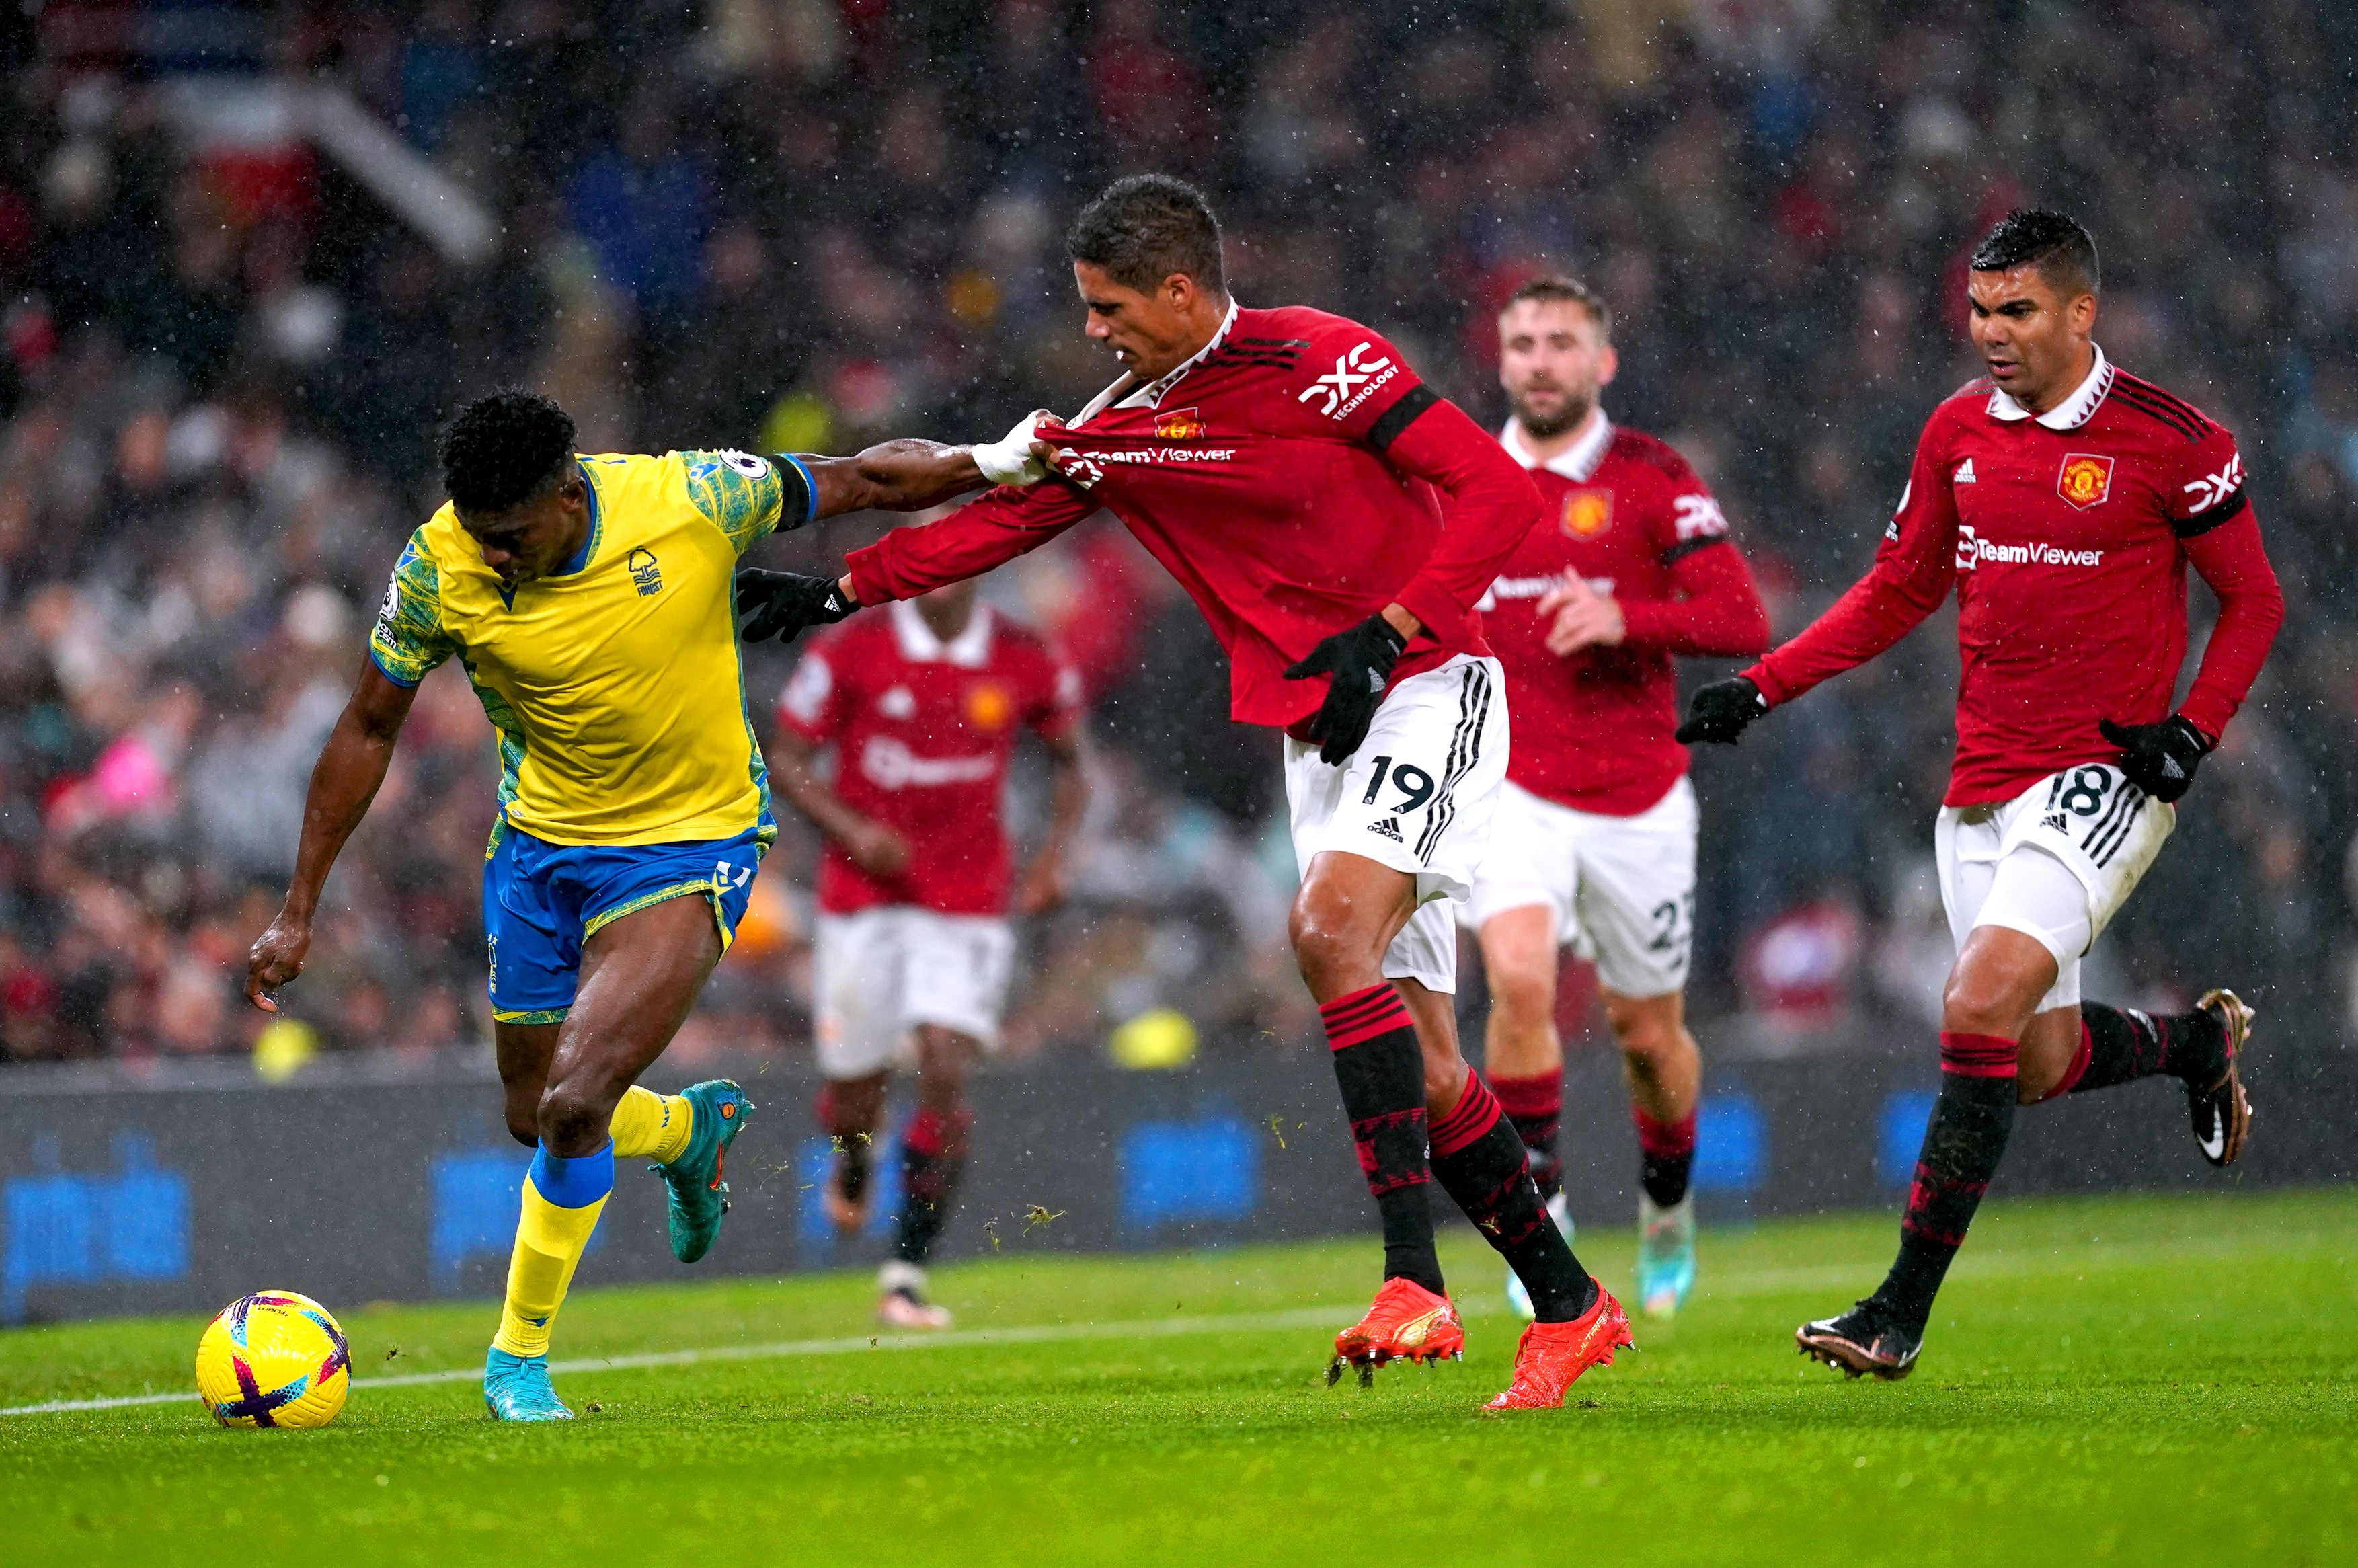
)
(1143, 227)
(1556, 288)
(501, 449)
(2063, 251)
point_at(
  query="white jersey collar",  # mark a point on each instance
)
(1575, 462)
(1152, 394)
(2073, 411)
(970, 650)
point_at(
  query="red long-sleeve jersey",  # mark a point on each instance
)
(1592, 730)
(2067, 536)
(1291, 476)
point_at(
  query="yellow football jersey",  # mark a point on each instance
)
(615, 683)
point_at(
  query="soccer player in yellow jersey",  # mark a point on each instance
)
(590, 599)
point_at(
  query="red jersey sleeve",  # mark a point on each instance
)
(1914, 568)
(988, 532)
(1491, 505)
(812, 705)
(1719, 610)
(2213, 519)
(1489, 502)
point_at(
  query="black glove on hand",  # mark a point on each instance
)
(2159, 759)
(780, 604)
(1361, 661)
(1720, 711)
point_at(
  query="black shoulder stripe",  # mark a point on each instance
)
(1278, 343)
(1401, 414)
(1686, 547)
(2201, 523)
(2192, 432)
(2168, 399)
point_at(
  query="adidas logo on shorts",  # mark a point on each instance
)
(1388, 828)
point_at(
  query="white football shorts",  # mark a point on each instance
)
(2055, 863)
(884, 970)
(1622, 888)
(1417, 796)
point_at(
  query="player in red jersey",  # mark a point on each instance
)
(923, 707)
(2064, 499)
(1295, 476)
(1595, 841)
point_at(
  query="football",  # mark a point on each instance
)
(273, 1359)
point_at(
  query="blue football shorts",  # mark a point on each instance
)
(543, 900)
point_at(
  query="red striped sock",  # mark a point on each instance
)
(1535, 1104)
(1379, 1067)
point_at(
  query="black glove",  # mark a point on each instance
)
(780, 604)
(1361, 661)
(2159, 759)
(1719, 712)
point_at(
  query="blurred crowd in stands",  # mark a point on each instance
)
(224, 351)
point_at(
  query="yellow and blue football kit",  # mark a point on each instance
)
(630, 773)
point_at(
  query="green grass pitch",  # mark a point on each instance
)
(2139, 1381)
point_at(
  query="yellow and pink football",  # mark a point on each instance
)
(273, 1359)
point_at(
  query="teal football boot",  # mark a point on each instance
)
(1666, 1255)
(698, 1196)
(515, 1388)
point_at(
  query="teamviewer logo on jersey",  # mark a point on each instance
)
(1354, 377)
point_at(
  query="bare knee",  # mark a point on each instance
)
(1650, 1031)
(1976, 1002)
(573, 1118)
(1327, 946)
(523, 1118)
(1523, 993)
(944, 1058)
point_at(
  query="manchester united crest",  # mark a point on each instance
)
(988, 706)
(1180, 424)
(2085, 479)
(1587, 513)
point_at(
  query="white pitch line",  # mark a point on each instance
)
(1767, 1281)
(1033, 1334)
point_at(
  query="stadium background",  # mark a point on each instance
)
(252, 255)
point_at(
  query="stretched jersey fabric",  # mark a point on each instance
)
(2067, 536)
(614, 684)
(1625, 512)
(923, 731)
(1287, 476)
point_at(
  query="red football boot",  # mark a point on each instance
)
(1406, 1322)
(1552, 1355)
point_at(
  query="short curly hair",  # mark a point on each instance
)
(1143, 227)
(503, 448)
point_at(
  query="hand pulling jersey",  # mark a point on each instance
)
(2067, 537)
(1625, 512)
(1287, 477)
(923, 731)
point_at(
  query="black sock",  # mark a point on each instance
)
(1963, 1143)
(1665, 1155)
(1381, 1070)
(850, 1145)
(933, 1158)
(1478, 1159)
(2124, 1043)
